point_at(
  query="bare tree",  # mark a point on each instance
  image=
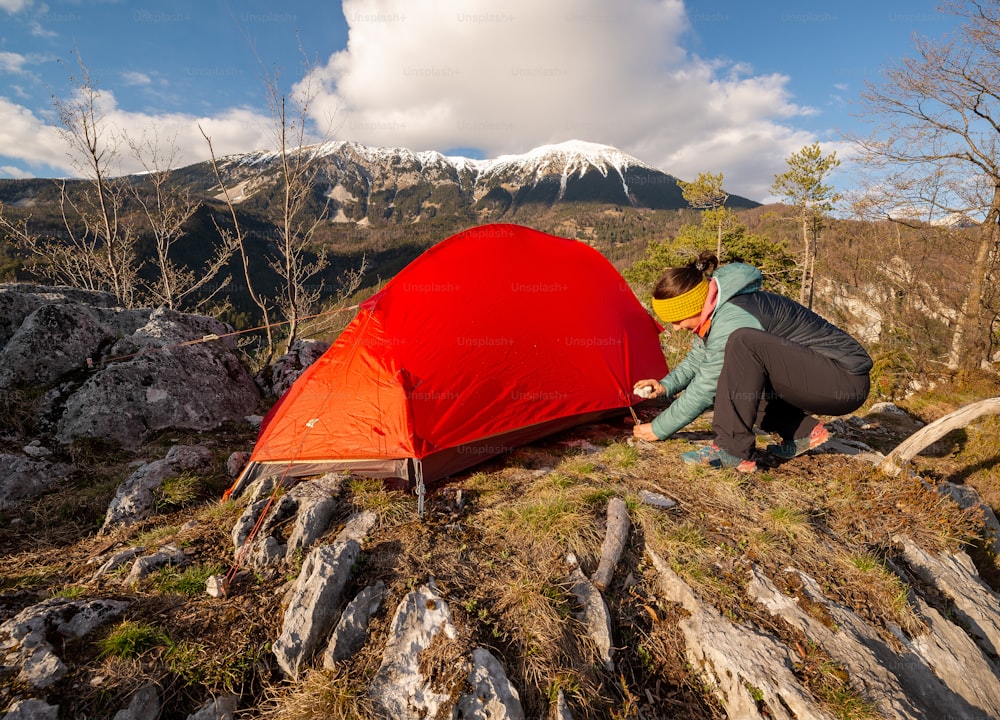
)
(166, 210)
(97, 251)
(938, 116)
(237, 238)
(297, 218)
(100, 235)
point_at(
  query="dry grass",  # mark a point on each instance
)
(495, 542)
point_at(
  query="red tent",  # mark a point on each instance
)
(489, 340)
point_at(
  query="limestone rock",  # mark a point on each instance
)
(313, 606)
(143, 705)
(26, 639)
(159, 383)
(900, 684)
(19, 300)
(32, 709)
(352, 629)
(975, 605)
(310, 504)
(956, 659)
(57, 334)
(492, 696)
(562, 708)
(236, 462)
(734, 658)
(316, 501)
(145, 566)
(246, 522)
(287, 368)
(23, 478)
(116, 560)
(134, 500)
(399, 690)
(966, 496)
(119, 374)
(656, 499)
(221, 708)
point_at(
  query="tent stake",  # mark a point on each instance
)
(419, 472)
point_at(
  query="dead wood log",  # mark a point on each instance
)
(895, 461)
(615, 538)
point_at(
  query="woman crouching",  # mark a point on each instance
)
(763, 359)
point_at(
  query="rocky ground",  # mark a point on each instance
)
(583, 576)
(743, 571)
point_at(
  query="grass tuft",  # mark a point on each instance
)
(130, 639)
(177, 491)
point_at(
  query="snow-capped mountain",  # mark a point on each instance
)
(366, 184)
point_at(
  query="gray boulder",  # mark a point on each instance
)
(134, 499)
(492, 696)
(56, 339)
(143, 705)
(352, 630)
(145, 566)
(115, 373)
(161, 383)
(19, 300)
(26, 639)
(311, 503)
(220, 708)
(31, 709)
(287, 368)
(400, 690)
(23, 478)
(315, 596)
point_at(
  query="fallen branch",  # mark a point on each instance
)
(614, 543)
(896, 460)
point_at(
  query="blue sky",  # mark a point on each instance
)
(700, 86)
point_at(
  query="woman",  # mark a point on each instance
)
(761, 358)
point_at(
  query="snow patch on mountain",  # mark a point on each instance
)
(369, 172)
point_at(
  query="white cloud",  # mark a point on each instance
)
(31, 140)
(13, 6)
(14, 172)
(26, 137)
(503, 79)
(463, 73)
(12, 62)
(136, 78)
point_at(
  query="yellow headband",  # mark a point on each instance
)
(687, 304)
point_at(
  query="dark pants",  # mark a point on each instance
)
(775, 384)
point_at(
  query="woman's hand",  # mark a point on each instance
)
(648, 389)
(644, 432)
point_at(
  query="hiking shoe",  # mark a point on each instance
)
(714, 456)
(794, 448)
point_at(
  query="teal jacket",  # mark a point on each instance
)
(742, 304)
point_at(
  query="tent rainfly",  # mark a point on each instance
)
(491, 339)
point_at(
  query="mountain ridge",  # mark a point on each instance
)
(374, 183)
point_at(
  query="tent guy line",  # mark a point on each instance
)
(91, 363)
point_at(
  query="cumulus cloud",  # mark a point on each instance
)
(34, 140)
(25, 136)
(136, 78)
(14, 6)
(504, 79)
(12, 62)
